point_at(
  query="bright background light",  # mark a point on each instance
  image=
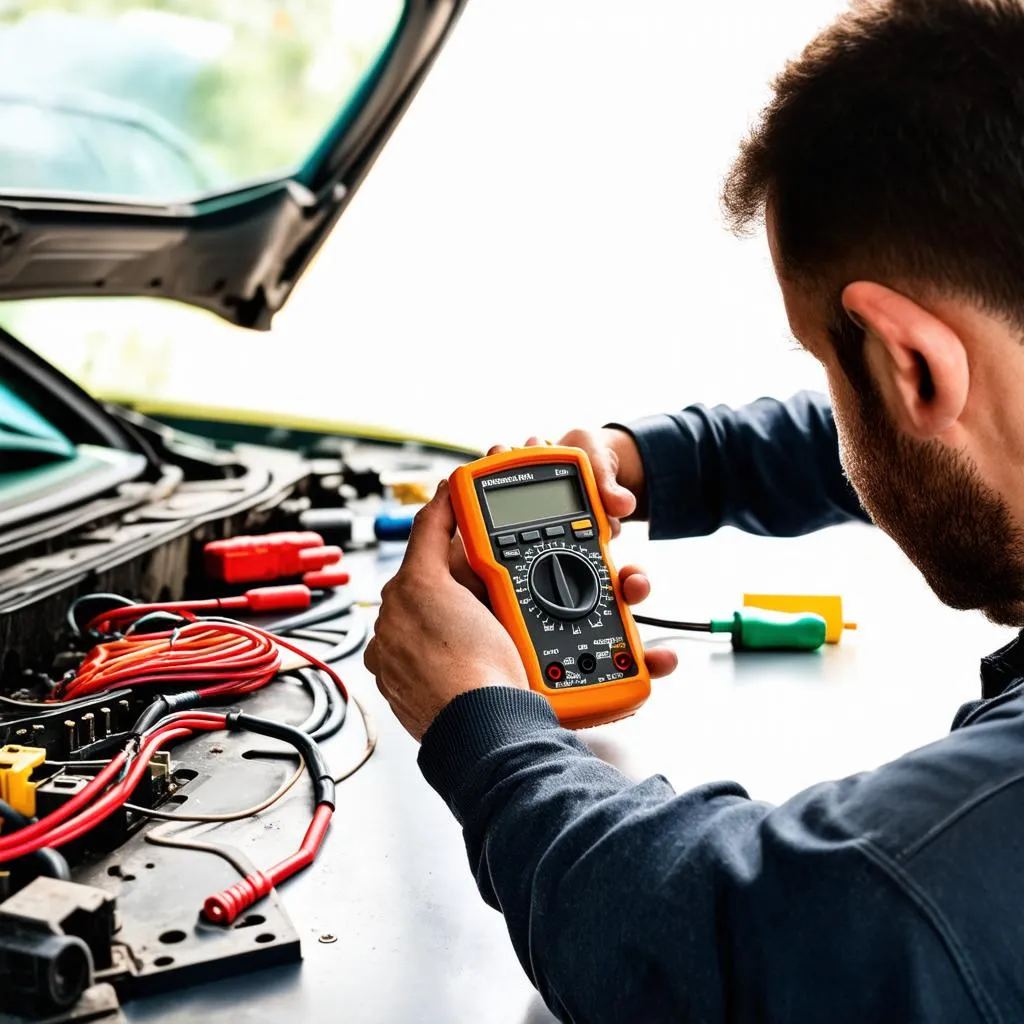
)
(541, 245)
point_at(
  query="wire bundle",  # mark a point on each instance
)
(108, 791)
(169, 648)
(111, 788)
(231, 657)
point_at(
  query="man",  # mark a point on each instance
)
(890, 171)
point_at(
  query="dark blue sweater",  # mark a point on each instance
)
(893, 896)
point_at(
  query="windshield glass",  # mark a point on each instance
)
(167, 99)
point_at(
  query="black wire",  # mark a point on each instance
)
(316, 765)
(321, 702)
(320, 685)
(338, 707)
(351, 639)
(49, 862)
(689, 627)
(333, 607)
(156, 622)
(110, 600)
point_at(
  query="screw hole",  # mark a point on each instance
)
(265, 937)
(252, 919)
(114, 871)
(101, 283)
(163, 961)
(171, 937)
(156, 282)
(150, 865)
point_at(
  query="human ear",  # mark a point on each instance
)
(918, 361)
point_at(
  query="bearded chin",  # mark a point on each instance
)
(932, 501)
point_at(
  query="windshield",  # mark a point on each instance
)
(167, 99)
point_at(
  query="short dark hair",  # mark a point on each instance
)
(894, 145)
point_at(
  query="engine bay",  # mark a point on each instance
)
(165, 713)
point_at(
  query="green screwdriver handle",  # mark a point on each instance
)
(756, 629)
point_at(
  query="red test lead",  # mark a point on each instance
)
(260, 601)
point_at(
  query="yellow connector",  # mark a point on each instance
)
(411, 492)
(16, 767)
(829, 607)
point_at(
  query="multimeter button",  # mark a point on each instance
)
(510, 553)
(507, 540)
(554, 672)
(554, 531)
(583, 534)
(582, 524)
(529, 536)
(623, 661)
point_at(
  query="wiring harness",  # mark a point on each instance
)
(170, 647)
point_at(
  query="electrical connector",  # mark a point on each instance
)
(325, 579)
(268, 557)
(16, 785)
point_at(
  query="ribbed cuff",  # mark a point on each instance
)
(476, 724)
(661, 443)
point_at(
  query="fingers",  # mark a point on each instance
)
(636, 587)
(497, 448)
(431, 534)
(661, 661)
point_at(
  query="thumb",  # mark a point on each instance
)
(432, 531)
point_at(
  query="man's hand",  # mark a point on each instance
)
(618, 469)
(434, 639)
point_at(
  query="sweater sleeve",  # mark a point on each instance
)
(769, 468)
(626, 902)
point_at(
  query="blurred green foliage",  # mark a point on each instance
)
(263, 102)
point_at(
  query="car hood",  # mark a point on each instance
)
(236, 253)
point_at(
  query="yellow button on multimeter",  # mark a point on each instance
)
(536, 534)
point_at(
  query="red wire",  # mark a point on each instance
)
(65, 811)
(199, 651)
(106, 621)
(243, 658)
(225, 906)
(55, 829)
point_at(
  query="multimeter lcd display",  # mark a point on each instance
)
(524, 503)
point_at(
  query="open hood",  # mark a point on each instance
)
(239, 241)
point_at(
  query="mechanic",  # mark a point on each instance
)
(889, 169)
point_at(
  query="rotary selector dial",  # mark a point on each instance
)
(564, 583)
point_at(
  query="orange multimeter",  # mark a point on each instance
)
(536, 534)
